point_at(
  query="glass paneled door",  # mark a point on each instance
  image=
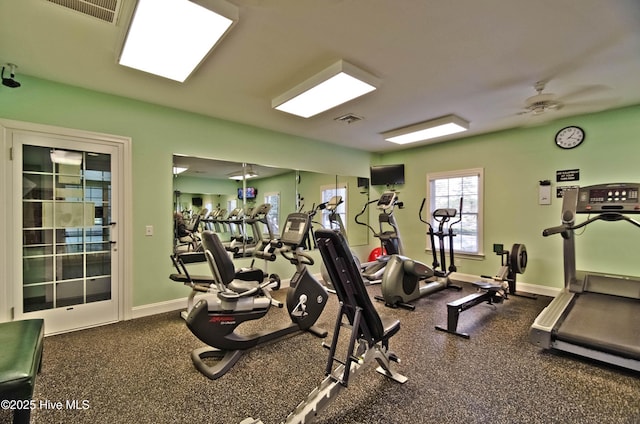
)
(68, 232)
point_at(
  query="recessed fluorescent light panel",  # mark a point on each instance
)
(440, 127)
(338, 84)
(170, 38)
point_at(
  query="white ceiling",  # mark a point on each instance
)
(477, 59)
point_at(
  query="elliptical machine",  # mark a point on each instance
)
(388, 234)
(215, 322)
(405, 279)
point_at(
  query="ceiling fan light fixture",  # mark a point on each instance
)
(331, 87)
(435, 128)
(171, 38)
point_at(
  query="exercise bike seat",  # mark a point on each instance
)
(182, 276)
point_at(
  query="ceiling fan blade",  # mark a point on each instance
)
(581, 59)
(593, 105)
(583, 91)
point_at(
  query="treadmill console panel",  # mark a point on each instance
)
(621, 197)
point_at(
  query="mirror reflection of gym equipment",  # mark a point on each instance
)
(595, 315)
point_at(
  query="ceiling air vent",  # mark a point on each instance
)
(105, 10)
(349, 118)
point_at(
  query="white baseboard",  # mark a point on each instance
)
(158, 308)
(520, 286)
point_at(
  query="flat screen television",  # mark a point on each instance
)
(196, 201)
(387, 174)
(251, 192)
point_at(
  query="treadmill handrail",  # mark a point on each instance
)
(606, 216)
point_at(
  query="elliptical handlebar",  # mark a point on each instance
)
(459, 215)
(364, 209)
(424, 200)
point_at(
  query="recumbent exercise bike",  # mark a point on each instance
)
(215, 322)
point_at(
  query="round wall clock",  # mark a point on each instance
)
(570, 137)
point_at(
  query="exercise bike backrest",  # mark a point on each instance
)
(223, 270)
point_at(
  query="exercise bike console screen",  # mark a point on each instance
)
(621, 197)
(295, 229)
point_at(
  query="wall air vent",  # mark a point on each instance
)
(105, 10)
(349, 118)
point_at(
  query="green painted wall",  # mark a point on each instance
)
(514, 162)
(158, 132)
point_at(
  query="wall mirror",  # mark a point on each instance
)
(215, 189)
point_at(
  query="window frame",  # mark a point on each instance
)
(471, 172)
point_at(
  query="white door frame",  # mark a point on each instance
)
(125, 241)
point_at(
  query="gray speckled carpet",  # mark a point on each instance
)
(140, 371)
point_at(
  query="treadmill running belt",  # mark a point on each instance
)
(603, 322)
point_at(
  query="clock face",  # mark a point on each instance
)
(569, 137)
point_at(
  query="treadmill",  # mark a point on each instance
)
(595, 315)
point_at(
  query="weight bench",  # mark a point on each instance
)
(21, 344)
(369, 338)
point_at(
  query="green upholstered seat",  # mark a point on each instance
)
(21, 345)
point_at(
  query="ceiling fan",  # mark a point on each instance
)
(546, 102)
(541, 102)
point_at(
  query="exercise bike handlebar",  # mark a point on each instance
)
(298, 257)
